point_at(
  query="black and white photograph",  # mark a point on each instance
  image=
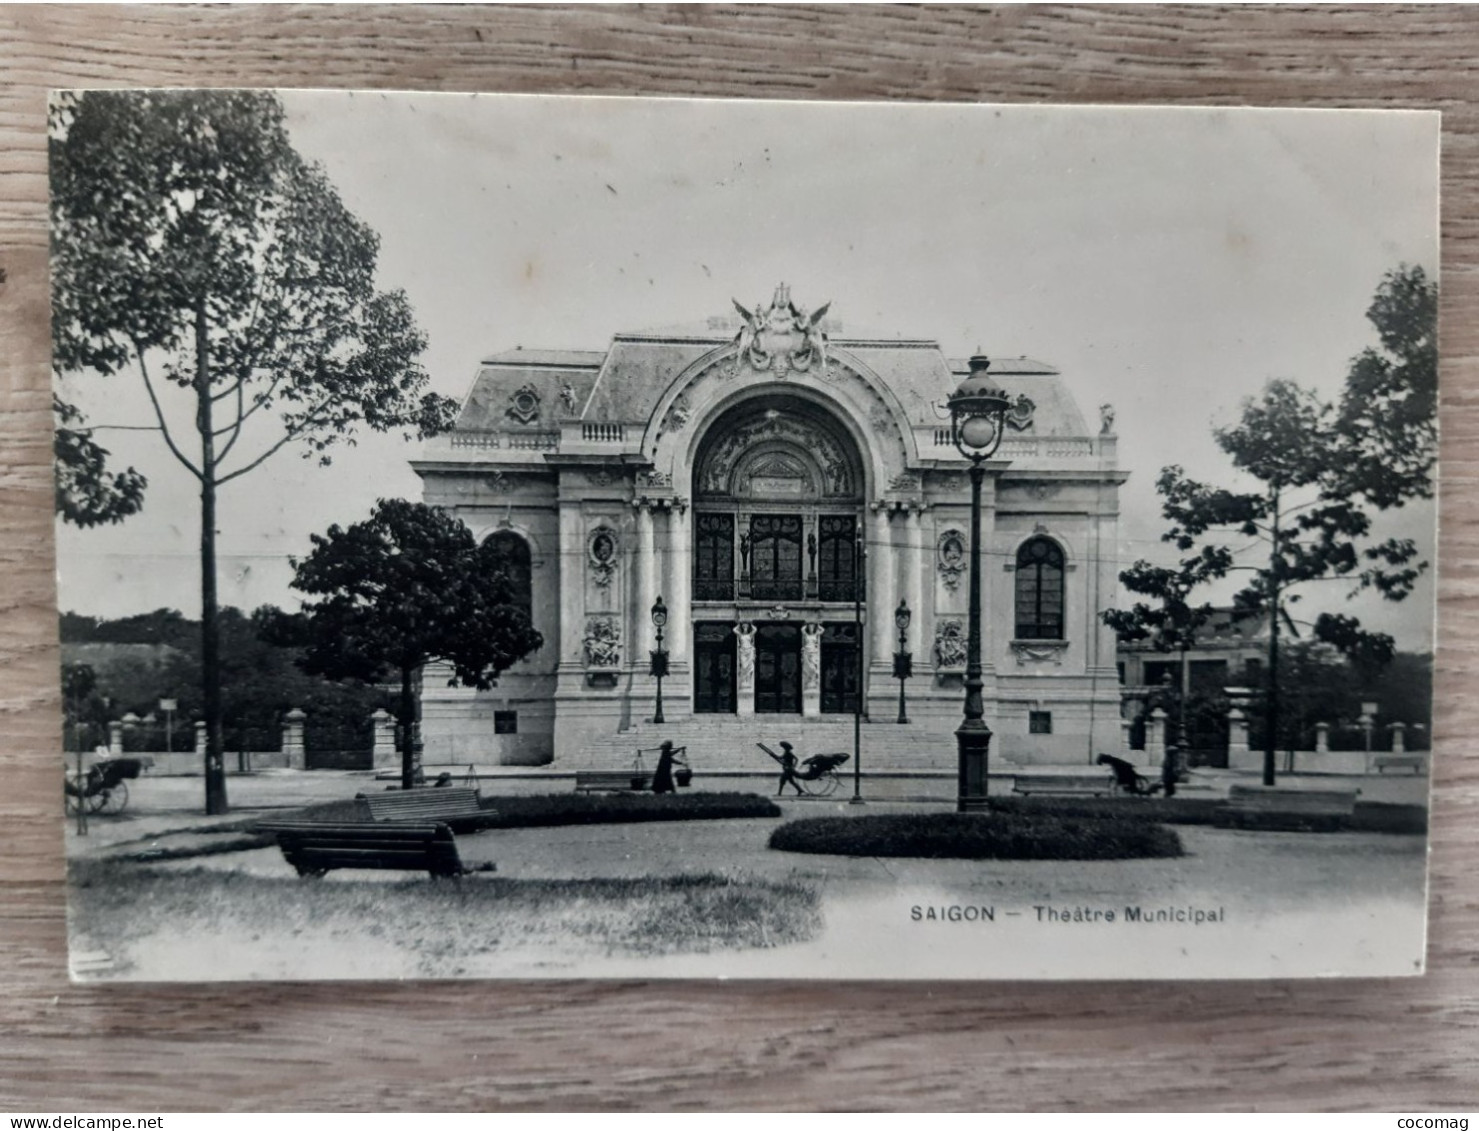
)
(578, 537)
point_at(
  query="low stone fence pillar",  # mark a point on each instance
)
(1155, 737)
(115, 737)
(1322, 738)
(1399, 738)
(292, 739)
(384, 754)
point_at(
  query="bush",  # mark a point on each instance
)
(971, 836)
(1370, 816)
(614, 808)
(1165, 810)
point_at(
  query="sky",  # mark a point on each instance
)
(1167, 261)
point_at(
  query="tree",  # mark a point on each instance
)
(193, 248)
(405, 588)
(1173, 623)
(87, 494)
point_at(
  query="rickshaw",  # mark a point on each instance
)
(817, 775)
(104, 787)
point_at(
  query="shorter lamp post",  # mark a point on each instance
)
(903, 661)
(1368, 721)
(659, 655)
(978, 409)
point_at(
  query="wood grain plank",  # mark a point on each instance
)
(1395, 1045)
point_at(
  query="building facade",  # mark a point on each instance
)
(783, 488)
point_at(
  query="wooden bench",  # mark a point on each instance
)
(1251, 806)
(422, 804)
(1414, 762)
(595, 781)
(1064, 785)
(315, 849)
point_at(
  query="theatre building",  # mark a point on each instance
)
(784, 488)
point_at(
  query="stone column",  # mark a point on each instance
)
(1125, 725)
(292, 739)
(572, 585)
(744, 679)
(914, 571)
(1399, 738)
(1322, 738)
(384, 754)
(880, 603)
(1237, 737)
(642, 635)
(811, 670)
(680, 583)
(1155, 737)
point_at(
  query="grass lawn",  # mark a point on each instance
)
(983, 836)
(436, 927)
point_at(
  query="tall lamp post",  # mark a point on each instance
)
(659, 655)
(860, 556)
(903, 661)
(978, 409)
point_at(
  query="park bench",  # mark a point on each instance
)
(594, 781)
(1063, 785)
(1289, 809)
(314, 849)
(422, 804)
(1414, 762)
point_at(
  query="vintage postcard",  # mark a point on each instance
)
(580, 537)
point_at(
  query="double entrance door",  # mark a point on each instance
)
(777, 668)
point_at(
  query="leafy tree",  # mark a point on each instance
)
(1173, 623)
(87, 494)
(1321, 470)
(193, 248)
(405, 588)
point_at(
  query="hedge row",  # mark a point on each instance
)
(972, 836)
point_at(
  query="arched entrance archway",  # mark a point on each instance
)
(777, 490)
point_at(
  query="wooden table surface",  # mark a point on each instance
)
(1402, 1044)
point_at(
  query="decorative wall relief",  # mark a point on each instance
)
(678, 415)
(654, 479)
(907, 481)
(1039, 652)
(602, 642)
(1019, 416)
(601, 551)
(524, 405)
(569, 398)
(950, 555)
(950, 642)
(780, 337)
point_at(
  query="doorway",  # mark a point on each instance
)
(778, 669)
(713, 668)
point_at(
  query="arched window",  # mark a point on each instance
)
(510, 555)
(1040, 590)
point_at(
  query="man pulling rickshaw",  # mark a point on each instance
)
(810, 777)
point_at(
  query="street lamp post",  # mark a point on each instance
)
(860, 556)
(659, 655)
(978, 410)
(903, 661)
